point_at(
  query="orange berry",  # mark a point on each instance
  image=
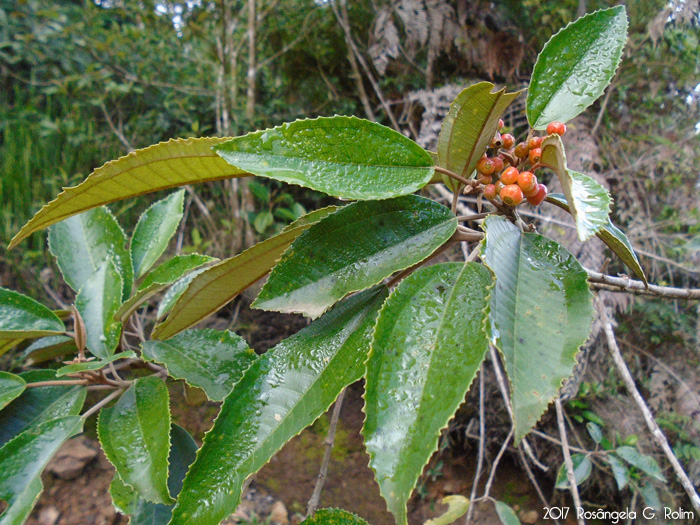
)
(490, 192)
(499, 186)
(531, 192)
(534, 142)
(485, 166)
(507, 141)
(527, 180)
(556, 128)
(534, 156)
(521, 150)
(485, 179)
(498, 164)
(539, 197)
(511, 194)
(510, 176)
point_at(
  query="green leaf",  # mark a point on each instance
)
(179, 287)
(334, 517)
(39, 404)
(22, 317)
(263, 221)
(506, 514)
(283, 392)
(540, 315)
(11, 386)
(576, 66)
(159, 279)
(93, 365)
(651, 496)
(23, 459)
(134, 435)
(591, 201)
(582, 470)
(620, 472)
(220, 283)
(127, 501)
(353, 249)
(98, 302)
(457, 507)
(48, 348)
(470, 126)
(595, 432)
(611, 235)
(431, 326)
(81, 244)
(646, 464)
(158, 167)
(153, 231)
(345, 157)
(210, 359)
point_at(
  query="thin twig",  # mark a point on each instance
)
(455, 176)
(102, 403)
(482, 439)
(330, 438)
(656, 432)
(534, 482)
(492, 475)
(625, 284)
(58, 382)
(567, 459)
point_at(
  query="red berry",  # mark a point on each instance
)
(490, 192)
(535, 155)
(510, 176)
(531, 192)
(499, 186)
(501, 124)
(485, 179)
(485, 166)
(534, 142)
(556, 128)
(507, 141)
(497, 141)
(521, 150)
(539, 197)
(498, 164)
(527, 180)
(511, 194)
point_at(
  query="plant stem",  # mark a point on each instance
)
(102, 403)
(625, 284)
(496, 461)
(453, 175)
(330, 438)
(482, 439)
(567, 459)
(59, 382)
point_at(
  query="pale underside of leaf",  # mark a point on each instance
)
(22, 317)
(158, 167)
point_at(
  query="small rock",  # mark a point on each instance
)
(529, 517)
(71, 459)
(278, 513)
(49, 515)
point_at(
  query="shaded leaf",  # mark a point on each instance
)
(594, 432)
(470, 126)
(47, 348)
(345, 157)
(23, 459)
(98, 301)
(353, 249)
(540, 315)
(611, 235)
(620, 472)
(430, 327)
(219, 284)
(153, 231)
(11, 386)
(582, 470)
(179, 287)
(93, 365)
(457, 507)
(506, 514)
(210, 359)
(284, 391)
(589, 202)
(39, 404)
(81, 244)
(158, 167)
(646, 464)
(22, 317)
(134, 435)
(334, 517)
(576, 66)
(650, 495)
(263, 221)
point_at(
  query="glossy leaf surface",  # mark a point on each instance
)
(81, 244)
(22, 317)
(345, 157)
(182, 454)
(582, 471)
(612, 236)
(427, 347)
(589, 202)
(134, 435)
(353, 249)
(93, 365)
(334, 517)
(11, 386)
(98, 301)
(39, 404)
(284, 391)
(23, 459)
(215, 287)
(470, 126)
(153, 231)
(158, 167)
(576, 66)
(540, 315)
(646, 464)
(210, 359)
(159, 279)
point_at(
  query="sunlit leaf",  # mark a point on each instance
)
(457, 507)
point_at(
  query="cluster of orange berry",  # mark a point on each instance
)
(514, 183)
